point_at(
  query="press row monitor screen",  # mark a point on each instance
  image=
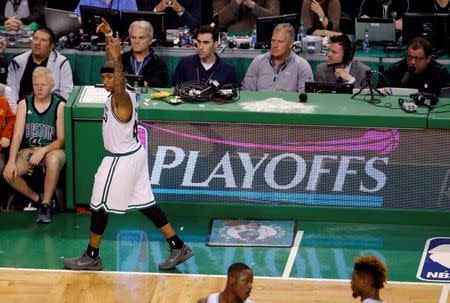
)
(91, 17)
(265, 26)
(434, 27)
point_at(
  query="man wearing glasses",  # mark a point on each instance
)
(418, 70)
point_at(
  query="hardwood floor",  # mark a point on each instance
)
(35, 286)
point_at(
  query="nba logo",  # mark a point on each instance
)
(435, 263)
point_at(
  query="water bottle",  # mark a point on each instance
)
(366, 41)
(254, 36)
(137, 91)
(186, 36)
(301, 32)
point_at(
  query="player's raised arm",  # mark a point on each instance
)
(120, 97)
(105, 28)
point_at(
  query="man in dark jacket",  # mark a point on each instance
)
(178, 13)
(418, 70)
(205, 66)
(140, 61)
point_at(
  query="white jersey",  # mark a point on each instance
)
(214, 298)
(120, 137)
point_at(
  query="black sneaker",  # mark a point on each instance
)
(83, 262)
(44, 214)
(176, 257)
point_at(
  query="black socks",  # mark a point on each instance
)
(175, 242)
(92, 252)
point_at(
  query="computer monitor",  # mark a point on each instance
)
(434, 27)
(328, 88)
(265, 26)
(53, 19)
(156, 19)
(92, 16)
(379, 29)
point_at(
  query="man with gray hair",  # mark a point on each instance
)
(280, 69)
(140, 61)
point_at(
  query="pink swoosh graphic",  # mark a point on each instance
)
(381, 141)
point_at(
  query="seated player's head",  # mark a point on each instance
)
(341, 50)
(43, 82)
(419, 54)
(283, 37)
(107, 72)
(240, 280)
(141, 36)
(207, 41)
(369, 274)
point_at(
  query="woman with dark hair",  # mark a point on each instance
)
(321, 17)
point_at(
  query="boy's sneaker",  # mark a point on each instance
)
(176, 257)
(83, 262)
(44, 214)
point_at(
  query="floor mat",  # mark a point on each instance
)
(253, 233)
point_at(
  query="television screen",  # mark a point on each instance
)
(265, 26)
(156, 19)
(91, 17)
(434, 27)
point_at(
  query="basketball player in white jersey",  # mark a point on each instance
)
(238, 288)
(368, 277)
(122, 180)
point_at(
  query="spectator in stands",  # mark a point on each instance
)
(41, 54)
(241, 15)
(205, 66)
(350, 9)
(368, 277)
(38, 142)
(4, 62)
(121, 5)
(418, 70)
(16, 13)
(385, 9)
(321, 18)
(178, 13)
(7, 120)
(5, 91)
(280, 69)
(340, 66)
(238, 287)
(441, 6)
(140, 60)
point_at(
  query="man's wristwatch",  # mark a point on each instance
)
(322, 18)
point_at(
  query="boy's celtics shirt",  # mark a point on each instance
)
(40, 128)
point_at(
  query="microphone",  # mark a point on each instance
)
(407, 75)
(302, 97)
(335, 64)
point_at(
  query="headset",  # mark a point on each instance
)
(347, 46)
(420, 98)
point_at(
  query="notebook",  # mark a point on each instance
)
(61, 22)
(380, 30)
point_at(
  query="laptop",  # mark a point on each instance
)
(380, 30)
(328, 88)
(61, 22)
